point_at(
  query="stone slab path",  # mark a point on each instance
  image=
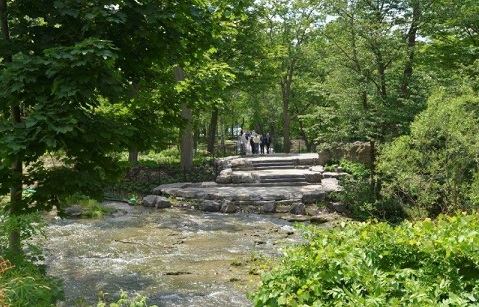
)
(266, 184)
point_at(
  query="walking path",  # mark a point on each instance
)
(263, 183)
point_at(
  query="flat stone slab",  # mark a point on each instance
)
(239, 188)
(245, 193)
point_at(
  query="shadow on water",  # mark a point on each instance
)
(175, 257)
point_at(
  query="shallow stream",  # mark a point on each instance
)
(175, 257)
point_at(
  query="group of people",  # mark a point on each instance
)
(252, 143)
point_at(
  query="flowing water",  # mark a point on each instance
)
(175, 257)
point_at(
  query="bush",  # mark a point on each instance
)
(427, 263)
(360, 194)
(434, 170)
(94, 209)
(125, 301)
(26, 284)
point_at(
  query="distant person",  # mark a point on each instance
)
(247, 144)
(261, 143)
(256, 141)
(251, 142)
(243, 143)
(267, 142)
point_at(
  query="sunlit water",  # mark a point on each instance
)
(175, 257)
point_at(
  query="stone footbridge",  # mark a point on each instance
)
(276, 183)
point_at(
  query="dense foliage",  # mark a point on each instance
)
(426, 263)
(82, 82)
(435, 168)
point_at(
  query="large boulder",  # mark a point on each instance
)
(228, 207)
(156, 201)
(243, 178)
(358, 152)
(298, 209)
(210, 206)
(224, 176)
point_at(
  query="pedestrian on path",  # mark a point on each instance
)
(267, 142)
(261, 143)
(256, 141)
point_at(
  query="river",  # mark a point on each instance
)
(176, 257)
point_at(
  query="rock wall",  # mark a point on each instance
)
(358, 152)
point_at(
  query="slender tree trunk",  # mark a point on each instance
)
(196, 137)
(286, 126)
(307, 143)
(14, 244)
(286, 93)
(133, 156)
(212, 130)
(411, 37)
(133, 152)
(186, 140)
(15, 208)
(186, 136)
(382, 75)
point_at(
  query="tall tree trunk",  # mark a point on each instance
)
(196, 138)
(133, 152)
(186, 136)
(14, 244)
(212, 130)
(382, 75)
(186, 140)
(307, 143)
(286, 96)
(133, 156)
(411, 38)
(15, 208)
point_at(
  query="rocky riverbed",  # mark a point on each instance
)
(176, 257)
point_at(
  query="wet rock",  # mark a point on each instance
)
(176, 273)
(74, 211)
(243, 178)
(210, 206)
(296, 218)
(259, 242)
(313, 197)
(269, 207)
(313, 177)
(282, 208)
(228, 207)
(298, 209)
(160, 190)
(208, 184)
(225, 176)
(319, 220)
(156, 201)
(339, 207)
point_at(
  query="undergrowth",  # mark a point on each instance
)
(426, 263)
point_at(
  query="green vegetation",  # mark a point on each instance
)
(427, 263)
(435, 168)
(83, 82)
(125, 301)
(93, 208)
(163, 167)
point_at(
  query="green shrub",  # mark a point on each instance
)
(125, 301)
(427, 263)
(26, 284)
(360, 194)
(94, 209)
(434, 169)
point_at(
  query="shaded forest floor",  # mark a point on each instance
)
(140, 180)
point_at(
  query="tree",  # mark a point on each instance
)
(291, 26)
(61, 61)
